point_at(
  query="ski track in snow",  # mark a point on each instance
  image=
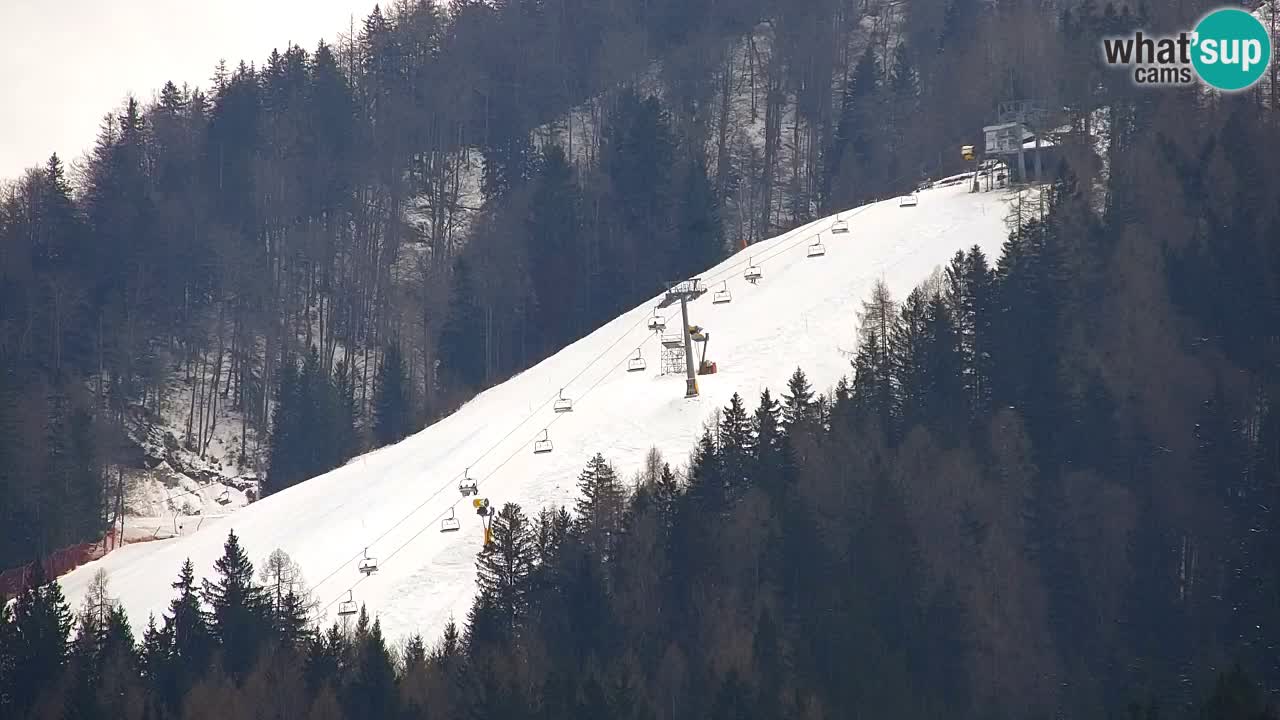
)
(393, 499)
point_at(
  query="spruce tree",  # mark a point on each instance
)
(284, 464)
(554, 232)
(372, 692)
(736, 448)
(505, 571)
(700, 231)
(391, 410)
(600, 506)
(41, 630)
(462, 348)
(239, 610)
(798, 410)
(850, 154)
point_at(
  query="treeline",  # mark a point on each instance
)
(323, 199)
(1044, 488)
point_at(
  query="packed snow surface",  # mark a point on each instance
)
(802, 313)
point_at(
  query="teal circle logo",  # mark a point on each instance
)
(1231, 50)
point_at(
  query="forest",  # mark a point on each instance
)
(1045, 488)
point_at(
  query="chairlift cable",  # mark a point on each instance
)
(801, 237)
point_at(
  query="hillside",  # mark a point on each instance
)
(803, 312)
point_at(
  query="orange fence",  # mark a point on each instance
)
(57, 564)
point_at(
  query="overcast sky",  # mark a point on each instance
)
(65, 63)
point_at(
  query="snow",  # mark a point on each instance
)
(391, 501)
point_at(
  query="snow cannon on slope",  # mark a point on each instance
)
(698, 335)
(486, 514)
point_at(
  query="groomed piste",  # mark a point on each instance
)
(392, 504)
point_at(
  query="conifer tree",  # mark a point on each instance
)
(238, 608)
(850, 155)
(600, 506)
(462, 338)
(554, 232)
(699, 227)
(371, 692)
(505, 571)
(392, 416)
(736, 446)
(798, 410)
(191, 642)
(41, 630)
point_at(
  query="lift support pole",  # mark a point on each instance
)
(683, 292)
(691, 380)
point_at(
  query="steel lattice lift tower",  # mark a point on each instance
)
(682, 292)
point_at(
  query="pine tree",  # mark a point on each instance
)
(600, 507)
(554, 232)
(798, 411)
(284, 461)
(699, 228)
(970, 293)
(415, 655)
(505, 571)
(371, 692)
(392, 416)
(238, 608)
(41, 628)
(462, 348)
(736, 447)
(190, 641)
(850, 155)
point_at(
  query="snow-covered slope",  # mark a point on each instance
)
(392, 501)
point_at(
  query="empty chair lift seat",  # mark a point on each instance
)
(840, 227)
(563, 404)
(543, 445)
(816, 248)
(449, 524)
(722, 295)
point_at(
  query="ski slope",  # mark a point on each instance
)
(391, 501)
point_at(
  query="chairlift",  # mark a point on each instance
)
(368, 565)
(543, 445)
(839, 227)
(722, 295)
(657, 322)
(909, 200)
(816, 248)
(449, 524)
(752, 275)
(224, 497)
(347, 607)
(636, 364)
(563, 404)
(467, 485)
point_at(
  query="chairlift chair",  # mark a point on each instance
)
(636, 363)
(368, 565)
(752, 275)
(563, 404)
(449, 524)
(909, 200)
(347, 607)
(657, 322)
(543, 445)
(467, 485)
(816, 248)
(722, 295)
(224, 497)
(839, 227)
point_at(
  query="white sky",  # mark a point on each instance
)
(65, 63)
